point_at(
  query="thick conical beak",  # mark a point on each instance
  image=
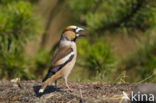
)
(82, 35)
(79, 32)
(78, 29)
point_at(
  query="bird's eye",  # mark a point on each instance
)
(74, 30)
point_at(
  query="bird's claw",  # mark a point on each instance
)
(69, 90)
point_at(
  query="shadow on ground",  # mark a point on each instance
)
(92, 92)
(49, 89)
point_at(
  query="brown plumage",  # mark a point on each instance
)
(70, 35)
(64, 58)
(60, 53)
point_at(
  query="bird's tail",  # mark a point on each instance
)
(46, 82)
(46, 77)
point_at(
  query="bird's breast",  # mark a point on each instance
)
(68, 67)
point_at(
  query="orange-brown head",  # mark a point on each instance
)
(71, 33)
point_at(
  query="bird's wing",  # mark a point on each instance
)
(62, 56)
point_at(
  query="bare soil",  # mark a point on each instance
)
(94, 92)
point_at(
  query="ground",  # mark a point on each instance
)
(94, 92)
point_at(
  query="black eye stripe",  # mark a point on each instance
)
(74, 30)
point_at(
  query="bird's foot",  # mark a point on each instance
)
(69, 90)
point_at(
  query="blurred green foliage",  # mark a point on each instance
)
(101, 15)
(17, 26)
(125, 16)
(141, 63)
(98, 58)
(39, 64)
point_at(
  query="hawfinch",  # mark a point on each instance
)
(64, 57)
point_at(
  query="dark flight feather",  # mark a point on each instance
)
(60, 53)
(53, 70)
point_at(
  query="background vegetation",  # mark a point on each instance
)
(120, 45)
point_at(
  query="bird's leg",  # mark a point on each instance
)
(68, 88)
(44, 86)
(55, 83)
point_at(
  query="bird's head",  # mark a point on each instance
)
(71, 33)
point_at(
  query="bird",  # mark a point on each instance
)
(64, 57)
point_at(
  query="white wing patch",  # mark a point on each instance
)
(63, 60)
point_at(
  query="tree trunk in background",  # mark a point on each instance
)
(53, 13)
